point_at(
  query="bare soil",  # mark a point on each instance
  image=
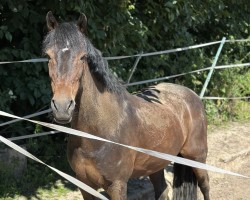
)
(229, 148)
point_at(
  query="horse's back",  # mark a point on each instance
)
(179, 100)
(189, 107)
(169, 117)
(174, 95)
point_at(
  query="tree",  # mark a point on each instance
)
(122, 27)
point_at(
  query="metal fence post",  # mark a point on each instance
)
(134, 67)
(212, 67)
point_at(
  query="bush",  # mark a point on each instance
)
(125, 27)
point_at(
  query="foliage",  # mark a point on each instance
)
(237, 85)
(126, 27)
(121, 27)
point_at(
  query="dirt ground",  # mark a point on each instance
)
(229, 148)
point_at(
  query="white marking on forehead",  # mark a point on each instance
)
(65, 49)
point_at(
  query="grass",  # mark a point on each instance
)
(220, 112)
(36, 184)
(38, 181)
(58, 191)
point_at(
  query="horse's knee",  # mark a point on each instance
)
(85, 194)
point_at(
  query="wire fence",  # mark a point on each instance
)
(37, 60)
(152, 153)
(139, 56)
(90, 190)
(186, 73)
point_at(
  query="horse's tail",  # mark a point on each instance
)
(184, 183)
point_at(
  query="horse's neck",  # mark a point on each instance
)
(98, 111)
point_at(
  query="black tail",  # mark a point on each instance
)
(184, 183)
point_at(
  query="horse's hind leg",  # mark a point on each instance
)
(159, 184)
(203, 180)
(201, 175)
(195, 148)
(199, 154)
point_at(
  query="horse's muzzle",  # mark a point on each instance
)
(62, 110)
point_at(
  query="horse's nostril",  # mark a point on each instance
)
(62, 105)
(70, 104)
(54, 104)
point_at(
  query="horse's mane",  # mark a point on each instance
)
(68, 33)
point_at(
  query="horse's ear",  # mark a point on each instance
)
(82, 23)
(51, 21)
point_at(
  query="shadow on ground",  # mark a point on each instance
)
(37, 179)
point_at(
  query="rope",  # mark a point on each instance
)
(66, 176)
(164, 156)
(78, 183)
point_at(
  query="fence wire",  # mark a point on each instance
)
(58, 128)
(37, 60)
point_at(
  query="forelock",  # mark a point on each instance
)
(64, 36)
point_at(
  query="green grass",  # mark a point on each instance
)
(219, 112)
(37, 182)
(56, 189)
(242, 108)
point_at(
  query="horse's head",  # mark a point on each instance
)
(65, 48)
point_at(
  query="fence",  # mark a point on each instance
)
(164, 156)
(139, 56)
(152, 153)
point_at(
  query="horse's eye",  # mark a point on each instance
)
(83, 58)
(48, 57)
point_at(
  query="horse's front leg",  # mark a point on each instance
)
(118, 190)
(86, 195)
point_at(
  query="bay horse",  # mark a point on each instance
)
(167, 118)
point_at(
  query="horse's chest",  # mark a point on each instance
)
(80, 152)
(100, 162)
(85, 165)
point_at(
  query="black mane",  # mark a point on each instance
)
(58, 37)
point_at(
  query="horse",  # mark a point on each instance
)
(166, 117)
